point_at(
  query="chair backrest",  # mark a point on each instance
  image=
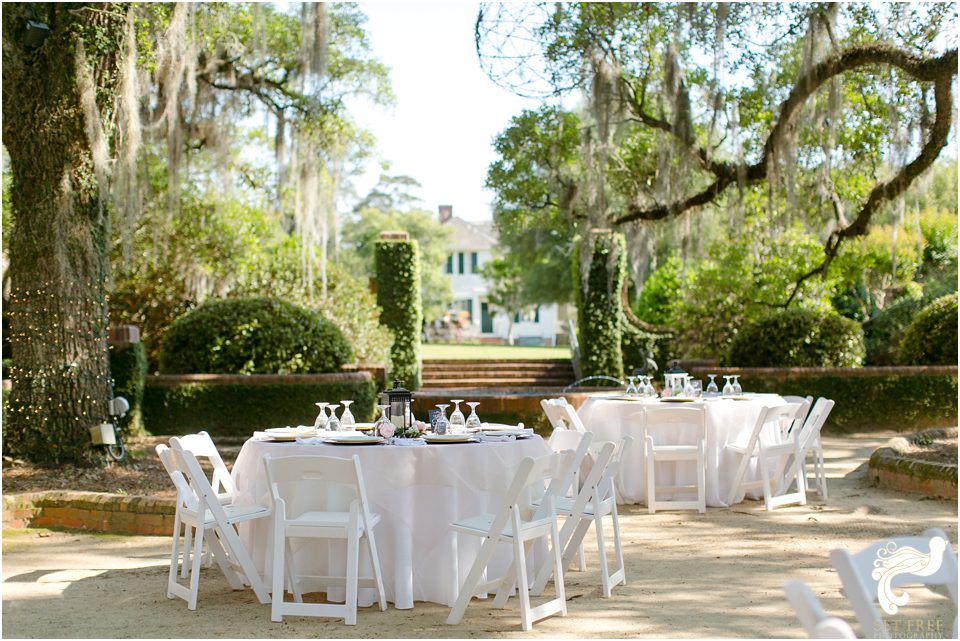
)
(206, 498)
(536, 484)
(579, 443)
(806, 402)
(872, 575)
(606, 467)
(814, 424)
(311, 482)
(202, 447)
(812, 616)
(673, 418)
(561, 414)
(176, 470)
(774, 419)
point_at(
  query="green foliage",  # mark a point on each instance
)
(128, 366)
(238, 410)
(386, 208)
(931, 339)
(505, 287)
(252, 336)
(867, 402)
(883, 332)
(659, 295)
(798, 337)
(398, 294)
(599, 307)
(534, 180)
(638, 345)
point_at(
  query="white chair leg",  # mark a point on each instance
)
(195, 571)
(473, 579)
(620, 576)
(353, 566)
(765, 482)
(291, 571)
(602, 556)
(175, 555)
(520, 565)
(187, 545)
(651, 478)
(235, 545)
(821, 473)
(377, 575)
(701, 482)
(279, 566)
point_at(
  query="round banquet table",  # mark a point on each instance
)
(728, 421)
(418, 491)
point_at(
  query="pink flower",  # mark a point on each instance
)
(387, 430)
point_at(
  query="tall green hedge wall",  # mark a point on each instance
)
(398, 295)
(599, 306)
(128, 367)
(239, 409)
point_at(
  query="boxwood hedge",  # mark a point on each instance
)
(128, 367)
(237, 409)
(931, 339)
(798, 337)
(252, 336)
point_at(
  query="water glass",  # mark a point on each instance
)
(712, 389)
(736, 385)
(333, 423)
(457, 420)
(728, 386)
(442, 424)
(632, 387)
(473, 421)
(321, 422)
(347, 422)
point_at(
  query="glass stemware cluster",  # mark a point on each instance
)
(457, 423)
(640, 386)
(330, 422)
(732, 388)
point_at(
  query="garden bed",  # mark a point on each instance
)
(923, 463)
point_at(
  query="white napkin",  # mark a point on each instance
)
(492, 438)
(408, 442)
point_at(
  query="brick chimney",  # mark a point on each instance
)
(446, 212)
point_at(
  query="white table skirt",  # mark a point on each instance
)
(418, 492)
(728, 421)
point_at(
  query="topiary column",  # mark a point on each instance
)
(599, 306)
(398, 295)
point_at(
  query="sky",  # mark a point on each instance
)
(447, 110)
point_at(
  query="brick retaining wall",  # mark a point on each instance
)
(95, 511)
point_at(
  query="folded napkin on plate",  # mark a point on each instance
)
(310, 440)
(407, 441)
(496, 438)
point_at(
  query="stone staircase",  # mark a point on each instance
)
(452, 374)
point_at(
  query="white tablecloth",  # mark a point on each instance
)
(728, 421)
(418, 492)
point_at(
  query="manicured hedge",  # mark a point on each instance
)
(128, 367)
(867, 399)
(798, 337)
(237, 409)
(931, 339)
(599, 306)
(252, 336)
(398, 295)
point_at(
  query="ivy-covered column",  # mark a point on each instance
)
(599, 306)
(398, 294)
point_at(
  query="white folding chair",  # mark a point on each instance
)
(874, 575)
(561, 414)
(203, 448)
(199, 509)
(812, 445)
(579, 443)
(527, 512)
(691, 420)
(595, 501)
(321, 497)
(805, 402)
(777, 461)
(812, 616)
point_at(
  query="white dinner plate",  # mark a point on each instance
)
(633, 399)
(517, 432)
(353, 439)
(675, 399)
(288, 433)
(449, 438)
(493, 427)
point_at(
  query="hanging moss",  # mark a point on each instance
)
(599, 308)
(398, 295)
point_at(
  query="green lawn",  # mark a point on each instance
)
(492, 352)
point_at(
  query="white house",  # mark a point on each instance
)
(473, 318)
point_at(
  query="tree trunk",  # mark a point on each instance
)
(60, 235)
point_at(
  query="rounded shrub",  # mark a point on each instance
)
(798, 338)
(884, 331)
(931, 339)
(252, 336)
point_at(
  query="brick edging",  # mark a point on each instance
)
(891, 467)
(787, 372)
(97, 511)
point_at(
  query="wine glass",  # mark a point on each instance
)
(457, 421)
(712, 388)
(697, 388)
(384, 426)
(632, 387)
(650, 389)
(473, 421)
(688, 390)
(442, 424)
(728, 386)
(347, 422)
(736, 385)
(333, 423)
(321, 422)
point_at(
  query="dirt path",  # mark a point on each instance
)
(691, 576)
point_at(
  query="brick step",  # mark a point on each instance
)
(495, 382)
(449, 372)
(485, 366)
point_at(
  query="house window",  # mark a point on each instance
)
(474, 262)
(460, 259)
(449, 263)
